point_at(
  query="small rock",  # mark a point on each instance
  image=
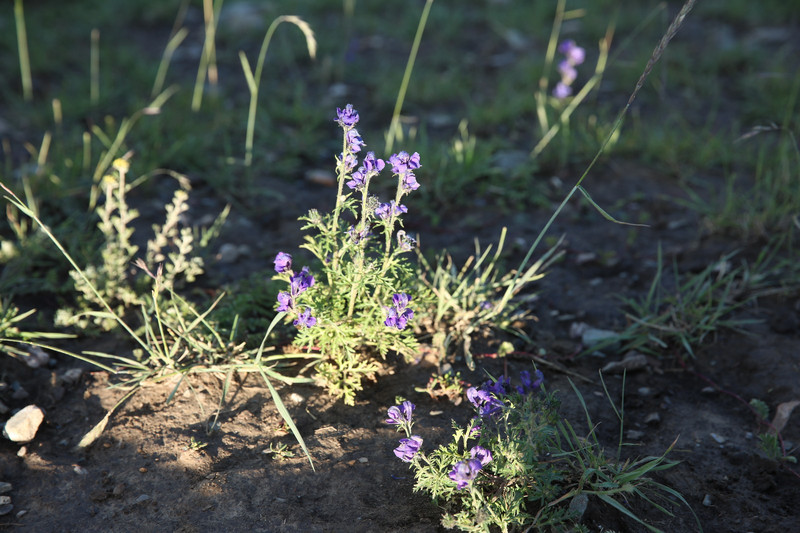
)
(577, 506)
(631, 361)
(22, 452)
(22, 513)
(296, 398)
(652, 419)
(748, 435)
(707, 500)
(5, 509)
(19, 392)
(5, 500)
(633, 434)
(22, 426)
(708, 390)
(321, 177)
(5, 486)
(363, 460)
(71, 376)
(78, 469)
(119, 489)
(228, 253)
(718, 438)
(36, 357)
(593, 336)
(142, 498)
(645, 391)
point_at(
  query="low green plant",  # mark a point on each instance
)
(518, 465)
(475, 298)
(682, 319)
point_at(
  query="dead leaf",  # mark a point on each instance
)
(782, 414)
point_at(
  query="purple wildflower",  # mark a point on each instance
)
(385, 211)
(305, 319)
(402, 162)
(301, 282)
(398, 315)
(350, 161)
(410, 182)
(408, 448)
(574, 53)
(358, 235)
(285, 301)
(372, 163)
(481, 454)
(354, 141)
(283, 262)
(358, 179)
(483, 401)
(527, 384)
(561, 91)
(464, 472)
(400, 414)
(347, 117)
(568, 72)
(498, 388)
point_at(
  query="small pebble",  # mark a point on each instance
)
(720, 439)
(22, 513)
(748, 435)
(707, 501)
(645, 391)
(23, 451)
(363, 460)
(633, 434)
(5, 500)
(5, 486)
(708, 390)
(143, 470)
(296, 398)
(652, 419)
(78, 469)
(5, 509)
(142, 498)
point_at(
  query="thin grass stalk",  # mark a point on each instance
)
(94, 67)
(394, 128)
(552, 43)
(22, 46)
(166, 58)
(208, 65)
(254, 79)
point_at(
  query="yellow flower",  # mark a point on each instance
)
(121, 165)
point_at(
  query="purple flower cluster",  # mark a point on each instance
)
(574, 55)
(371, 167)
(299, 282)
(484, 401)
(404, 165)
(487, 398)
(386, 211)
(400, 416)
(398, 315)
(347, 117)
(408, 448)
(464, 472)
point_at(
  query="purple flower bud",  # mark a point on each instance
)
(301, 282)
(483, 401)
(402, 162)
(285, 302)
(561, 91)
(350, 161)
(283, 262)
(464, 472)
(347, 117)
(354, 141)
(568, 72)
(481, 454)
(410, 182)
(398, 315)
(305, 319)
(385, 211)
(400, 414)
(372, 164)
(408, 448)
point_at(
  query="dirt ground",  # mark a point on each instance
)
(144, 475)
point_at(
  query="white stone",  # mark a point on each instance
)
(22, 426)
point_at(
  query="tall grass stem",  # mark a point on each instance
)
(22, 45)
